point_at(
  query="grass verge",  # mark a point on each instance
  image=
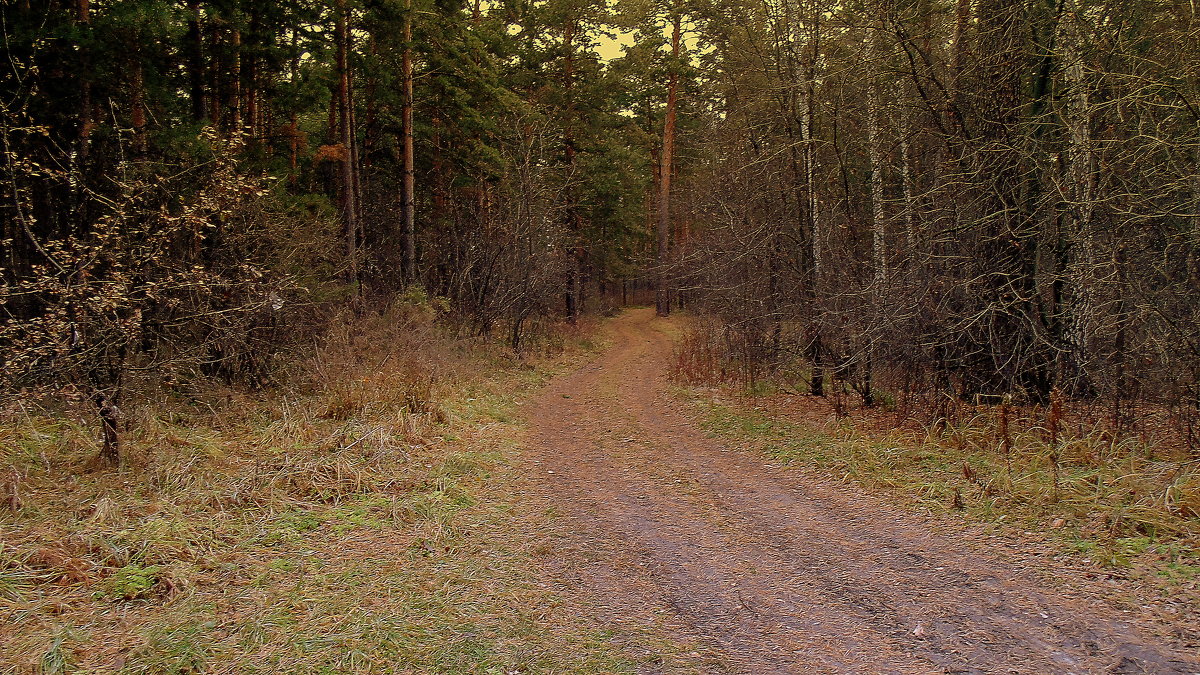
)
(1108, 507)
(362, 520)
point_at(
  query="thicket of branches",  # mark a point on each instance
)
(956, 199)
(192, 188)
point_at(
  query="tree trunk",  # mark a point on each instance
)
(349, 192)
(1005, 250)
(250, 79)
(216, 83)
(808, 139)
(194, 53)
(962, 16)
(878, 254)
(294, 125)
(906, 177)
(1080, 191)
(662, 294)
(234, 95)
(407, 189)
(83, 16)
(110, 428)
(575, 245)
(946, 195)
(138, 107)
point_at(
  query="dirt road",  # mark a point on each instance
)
(778, 573)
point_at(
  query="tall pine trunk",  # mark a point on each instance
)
(83, 17)
(138, 105)
(1080, 191)
(662, 293)
(234, 95)
(575, 244)
(408, 184)
(345, 118)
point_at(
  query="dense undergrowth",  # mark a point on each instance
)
(355, 519)
(1128, 504)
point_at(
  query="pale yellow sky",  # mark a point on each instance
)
(610, 48)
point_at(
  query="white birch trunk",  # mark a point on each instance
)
(875, 152)
(906, 178)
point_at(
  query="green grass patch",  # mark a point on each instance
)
(131, 582)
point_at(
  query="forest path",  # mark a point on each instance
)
(774, 571)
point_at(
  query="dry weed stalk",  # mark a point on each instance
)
(1053, 425)
(1006, 442)
(10, 496)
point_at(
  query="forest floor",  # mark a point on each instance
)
(766, 568)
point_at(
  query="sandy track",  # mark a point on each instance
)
(776, 572)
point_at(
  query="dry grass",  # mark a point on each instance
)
(1111, 507)
(701, 355)
(360, 519)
